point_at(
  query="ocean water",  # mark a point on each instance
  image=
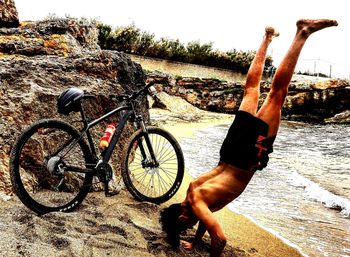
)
(303, 195)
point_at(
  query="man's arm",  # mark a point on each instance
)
(218, 239)
(197, 238)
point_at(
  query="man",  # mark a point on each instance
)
(244, 150)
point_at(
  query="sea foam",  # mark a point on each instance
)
(315, 192)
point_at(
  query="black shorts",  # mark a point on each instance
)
(246, 145)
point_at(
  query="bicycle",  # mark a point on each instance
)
(52, 166)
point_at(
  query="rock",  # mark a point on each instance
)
(230, 104)
(343, 117)
(59, 37)
(39, 61)
(317, 104)
(306, 101)
(8, 14)
(328, 84)
(206, 94)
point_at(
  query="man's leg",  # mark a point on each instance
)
(270, 112)
(252, 86)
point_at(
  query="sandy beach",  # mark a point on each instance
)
(121, 226)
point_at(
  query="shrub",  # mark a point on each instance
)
(130, 39)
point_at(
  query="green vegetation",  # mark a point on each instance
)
(308, 73)
(130, 39)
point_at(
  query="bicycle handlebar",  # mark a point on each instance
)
(143, 90)
(136, 94)
(126, 97)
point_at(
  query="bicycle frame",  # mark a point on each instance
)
(107, 153)
(101, 164)
(115, 138)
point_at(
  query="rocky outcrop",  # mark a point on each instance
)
(8, 14)
(343, 117)
(317, 101)
(206, 94)
(306, 101)
(38, 60)
(58, 37)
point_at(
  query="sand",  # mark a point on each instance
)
(121, 226)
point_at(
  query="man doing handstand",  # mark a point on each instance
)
(244, 150)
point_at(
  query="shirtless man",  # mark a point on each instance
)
(244, 150)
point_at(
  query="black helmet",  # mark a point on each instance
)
(69, 100)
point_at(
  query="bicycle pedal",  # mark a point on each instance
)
(112, 193)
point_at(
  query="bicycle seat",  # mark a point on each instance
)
(69, 100)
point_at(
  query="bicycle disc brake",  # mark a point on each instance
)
(56, 167)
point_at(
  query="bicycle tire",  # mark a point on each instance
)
(36, 186)
(141, 181)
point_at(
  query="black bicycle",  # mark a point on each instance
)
(52, 163)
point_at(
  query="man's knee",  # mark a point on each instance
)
(278, 93)
(277, 97)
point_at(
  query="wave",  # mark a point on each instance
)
(315, 192)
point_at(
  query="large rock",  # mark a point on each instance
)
(343, 117)
(59, 37)
(206, 94)
(317, 101)
(306, 101)
(8, 14)
(41, 59)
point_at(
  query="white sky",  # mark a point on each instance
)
(227, 23)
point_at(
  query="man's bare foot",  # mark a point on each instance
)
(271, 33)
(307, 27)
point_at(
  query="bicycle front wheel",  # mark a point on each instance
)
(148, 179)
(45, 164)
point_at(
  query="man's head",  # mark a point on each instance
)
(171, 224)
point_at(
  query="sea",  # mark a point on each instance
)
(303, 195)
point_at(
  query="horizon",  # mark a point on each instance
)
(225, 24)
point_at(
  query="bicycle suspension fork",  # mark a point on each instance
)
(145, 163)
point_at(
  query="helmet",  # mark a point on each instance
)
(69, 100)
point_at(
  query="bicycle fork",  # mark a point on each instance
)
(146, 163)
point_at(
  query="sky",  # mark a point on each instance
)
(228, 24)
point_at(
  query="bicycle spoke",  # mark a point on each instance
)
(47, 172)
(156, 179)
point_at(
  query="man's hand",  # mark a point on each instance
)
(186, 245)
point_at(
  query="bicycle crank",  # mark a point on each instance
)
(104, 172)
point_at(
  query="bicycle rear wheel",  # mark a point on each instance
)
(148, 181)
(42, 163)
